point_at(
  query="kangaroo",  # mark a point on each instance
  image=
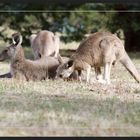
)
(25, 69)
(99, 49)
(4, 55)
(44, 43)
(73, 76)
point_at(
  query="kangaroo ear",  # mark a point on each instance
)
(60, 59)
(70, 63)
(104, 43)
(32, 37)
(17, 39)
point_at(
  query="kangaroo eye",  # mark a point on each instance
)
(5, 51)
(39, 55)
(66, 66)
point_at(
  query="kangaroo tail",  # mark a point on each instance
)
(128, 64)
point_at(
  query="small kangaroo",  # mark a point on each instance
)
(73, 76)
(99, 49)
(25, 69)
(44, 43)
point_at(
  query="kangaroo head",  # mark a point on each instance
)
(64, 70)
(10, 51)
(4, 54)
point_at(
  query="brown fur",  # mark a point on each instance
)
(25, 69)
(100, 49)
(62, 61)
(5, 55)
(45, 43)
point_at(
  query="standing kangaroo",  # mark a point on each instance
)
(25, 69)
(99, 49)
(44, 43)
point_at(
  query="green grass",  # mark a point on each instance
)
(60, 108)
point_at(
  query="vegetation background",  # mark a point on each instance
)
(72, 21)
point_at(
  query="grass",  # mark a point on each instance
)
(60, 108)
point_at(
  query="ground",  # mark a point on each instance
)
(70, 108)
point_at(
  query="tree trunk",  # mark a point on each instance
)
(132, 43)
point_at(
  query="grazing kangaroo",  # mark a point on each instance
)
(99, 49)
(25, 69)
(72, 76)
(45, 43)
